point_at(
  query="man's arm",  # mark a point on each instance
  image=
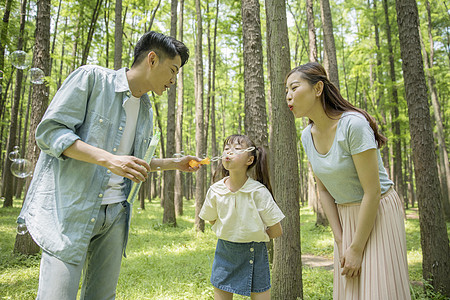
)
(127, 166)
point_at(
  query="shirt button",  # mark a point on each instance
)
(100, 195)
(108, 171)
(251, 249)
(114, 149)
(120, 128)
(92, 220)
(251, 262)
(101, 120)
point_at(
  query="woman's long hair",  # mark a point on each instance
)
(260, 160)
(332, 101)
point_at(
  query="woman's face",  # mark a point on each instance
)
(300, 95)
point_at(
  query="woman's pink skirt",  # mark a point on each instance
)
(384, 268)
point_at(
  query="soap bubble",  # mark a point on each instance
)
(177, 157)
(16, 148)
(21, 168)
(36, 76)
(216, 158)
(182, 152)
(13, 155)
(22, 229)
(19, 59)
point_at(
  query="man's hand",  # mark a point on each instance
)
(130, 167)
(182, 164)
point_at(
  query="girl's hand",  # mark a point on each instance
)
(351, 262)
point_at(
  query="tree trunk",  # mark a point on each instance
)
(55, 32)
(255, 120)
(94, 18)
(397, 146)
(311, 31)
(199, 135)
(118, 30)
(434, 239)
(214, 151)
(321, 218)
(8, 178)
(330, 63)
(106, 17)
(160, 185)
(443, 155)
(179, 182)
(287, 265)
(3, 38)
(169, 176)
(39, 98)
(153, 15)
(378, 91)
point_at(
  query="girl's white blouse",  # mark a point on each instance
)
(242, 216)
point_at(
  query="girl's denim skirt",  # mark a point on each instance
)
(241, 268)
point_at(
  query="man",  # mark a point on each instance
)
(93, 136)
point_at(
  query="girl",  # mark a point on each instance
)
(244, 216)
(365, 213)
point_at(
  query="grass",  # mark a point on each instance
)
(175, 263)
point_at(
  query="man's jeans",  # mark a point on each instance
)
(100, 266)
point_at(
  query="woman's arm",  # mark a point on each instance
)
(275, 231)
(330, 209)
(366, 164)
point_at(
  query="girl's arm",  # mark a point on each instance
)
(366, 164)
(275, 231)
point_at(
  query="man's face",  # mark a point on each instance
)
(163, 73)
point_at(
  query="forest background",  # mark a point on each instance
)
(391, 58)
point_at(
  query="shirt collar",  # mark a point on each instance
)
(249, 186)
(121, 85)
(122, 81)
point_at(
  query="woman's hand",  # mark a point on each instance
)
(340, 251)
(351, 262)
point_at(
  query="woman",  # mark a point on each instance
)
(365, 213)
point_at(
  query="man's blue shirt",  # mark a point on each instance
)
(65, 195)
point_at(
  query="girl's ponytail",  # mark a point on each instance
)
(262, 168)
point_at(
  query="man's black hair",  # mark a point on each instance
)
(164, 46)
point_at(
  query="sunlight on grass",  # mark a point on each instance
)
(165, 262)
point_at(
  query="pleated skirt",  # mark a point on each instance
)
(384, 268)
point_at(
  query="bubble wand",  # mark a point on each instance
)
(147, 157)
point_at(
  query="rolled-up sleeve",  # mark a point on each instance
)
(56, 131)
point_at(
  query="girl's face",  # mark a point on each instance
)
(235, 157)
(301, 96)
